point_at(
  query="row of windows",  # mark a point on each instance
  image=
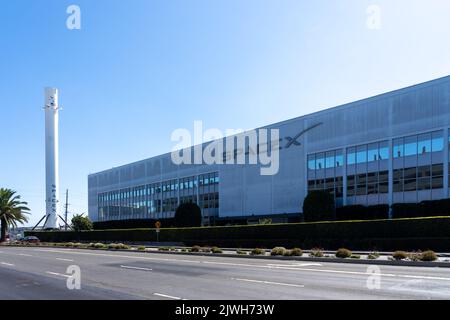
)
(163, 187)
(402, 147)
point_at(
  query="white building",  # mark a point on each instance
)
(387, 149)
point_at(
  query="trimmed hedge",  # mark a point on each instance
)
(359, 212)
(388, 235)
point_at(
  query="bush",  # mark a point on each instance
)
(195, 249)
(278, 251)
(216, 250)
(163, 249)
(400, 255)
(141, 248)
(414, 256)
(428, 256)
(205, 250)
(241, 252)
(297, 252)
(316, 252)
(81, 223)
(258, 252)
(99, 245)
(69, 244)
(355, 256)
(343, 253)
(373, 256)
(318, 206)
(188, 215)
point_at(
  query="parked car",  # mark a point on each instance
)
(31, 239)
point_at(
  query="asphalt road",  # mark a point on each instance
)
(41, 273)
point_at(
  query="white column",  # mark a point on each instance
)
(51, 158)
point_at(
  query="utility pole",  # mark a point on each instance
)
(67, 207)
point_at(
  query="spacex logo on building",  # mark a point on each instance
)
(259, 146)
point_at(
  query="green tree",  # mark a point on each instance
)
(12, 211)
(318, 206)
(188, 215)
(81, 223)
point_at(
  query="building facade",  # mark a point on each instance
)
(391, 148)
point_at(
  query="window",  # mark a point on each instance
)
(372, 153)
(410, 146)
(361, 154)
(383, 150)
(424, 143)
(320, 161)
(437, 141)
(339, 160)
(329, 160)
(398, 148)
(351, 156)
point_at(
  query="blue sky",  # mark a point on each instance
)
(137, 70)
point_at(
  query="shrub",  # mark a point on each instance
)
(318, 206)
(373, 255)
(241, 252)
(78, 245)
(343, 253)
(195, 249)
(428, 256)
(188, 215)
(112, 246)
(278, 251)
(297, 252)
(141, 248)
(355, 256)
(184, 250)
(205, 250)
(258, 252)
(99, 245)
(287, 253)
(216, 250)
(80, 223)
(316, 252)
(68, 244)
(172, 249)
(163, 249)
(400, 255)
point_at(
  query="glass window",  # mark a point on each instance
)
(410, 146)
(351, 156)
(383, 150)
(372, 153)
(320, 161)
(311, 162)
(329, 160)
(361, 154)
(398, 148)
(437, 141)
(424, 143)
(339, 160)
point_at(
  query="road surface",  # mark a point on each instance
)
(41, 273)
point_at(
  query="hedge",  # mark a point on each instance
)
(405, 234)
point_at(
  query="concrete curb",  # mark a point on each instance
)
(305, 259)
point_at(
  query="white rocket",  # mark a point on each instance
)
(51, 158)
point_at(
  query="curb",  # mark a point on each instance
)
(423, 264)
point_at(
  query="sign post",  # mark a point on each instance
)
(158, 229)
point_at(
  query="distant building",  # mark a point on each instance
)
(386, 149)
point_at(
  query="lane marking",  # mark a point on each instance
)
(296, 265)
(166, 296)
(71, 251)
(57, 274)
(24, 255)
(62, 259)
(270, 283)
(7, 264)
(136, 268)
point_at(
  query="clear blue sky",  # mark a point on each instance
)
(139, 69)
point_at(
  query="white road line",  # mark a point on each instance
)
(269, 282)
(24, 255)
(7, 264)
(71, 251)
(166, 296)
(57, 274)
(62, 259)
(296, 265)
(136, 268)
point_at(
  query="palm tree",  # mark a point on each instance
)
(12, 211)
